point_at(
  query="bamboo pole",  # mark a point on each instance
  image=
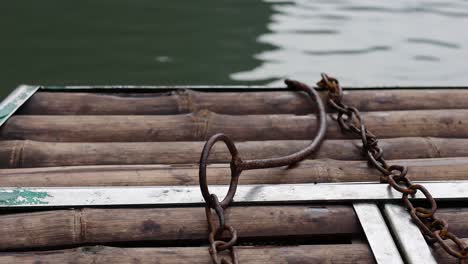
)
(339, 253)
(302, 254)
(26, 154)
(203, 124)
(311, 171)
(79, 226)
(240, 103)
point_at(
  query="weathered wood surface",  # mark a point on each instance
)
(26, 154)
(303, 254)
(310, 171)
(203, 124)
(238, 103)
(76, 227)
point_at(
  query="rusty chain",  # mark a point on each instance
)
(238, 165)
(433, 228)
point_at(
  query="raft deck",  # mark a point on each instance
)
(110, 174)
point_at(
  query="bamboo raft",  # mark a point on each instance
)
(153, 136)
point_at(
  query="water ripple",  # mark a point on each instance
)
(398, 42)
(349, 52)
(434, 42)
(426, 58)
(313, 31)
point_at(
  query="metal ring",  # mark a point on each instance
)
(223, 245)
(235, 170)
(421, 212)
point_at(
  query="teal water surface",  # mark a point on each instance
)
(56, 42)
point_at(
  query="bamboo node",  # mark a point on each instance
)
(185, 104)
(202, 119)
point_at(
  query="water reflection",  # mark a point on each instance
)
(366, 42)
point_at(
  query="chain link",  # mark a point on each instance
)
(216, 232)
(434, 229)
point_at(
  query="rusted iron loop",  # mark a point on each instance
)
(422, 212)
(337, 105)
(364, 136)
(395, 181)
(425, 230)
(223, 245)
(349, 119)
(219, 212)
(377, 154)
(369, 141)
(333, 86)
(309, 149)
(238, 165)
(381, 166)
(216, 233)
(398, 171)
(441, 226)
(235, 172)
(398, 176)
(222, 260)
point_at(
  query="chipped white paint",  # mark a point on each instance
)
(286, 193)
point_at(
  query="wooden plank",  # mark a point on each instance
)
(75, 227)
(203, 124)
(241, 103)
(310, 171)
(26, 154)
(302, 254)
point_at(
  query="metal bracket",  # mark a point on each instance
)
(169, 195)
(380, 240)
(409, 238)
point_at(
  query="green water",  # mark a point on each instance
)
(362, 42)
(129, 42)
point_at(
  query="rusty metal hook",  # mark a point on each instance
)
(238, 165)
